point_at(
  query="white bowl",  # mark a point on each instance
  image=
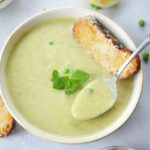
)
(67, 12)
(5, 3)
(116, 148)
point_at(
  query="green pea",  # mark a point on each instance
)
(95, 6)
(89, 90)
(145, 56)
(141, 23)
(50, 42)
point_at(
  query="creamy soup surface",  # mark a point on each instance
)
(28, 74)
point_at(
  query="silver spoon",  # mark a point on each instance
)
(83, 109)
(112, 81)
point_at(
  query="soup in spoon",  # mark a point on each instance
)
(95, 99)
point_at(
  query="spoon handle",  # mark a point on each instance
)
(144, 44)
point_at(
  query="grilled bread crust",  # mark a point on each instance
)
(104, 47)
(7, 122)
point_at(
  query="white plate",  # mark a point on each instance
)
(4, 3)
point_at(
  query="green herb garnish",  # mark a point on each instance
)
(69, 84)
(50, 42)
(141, 23)
(95, 6)
(58, 82)
(145, 56)
(66, 70)
(80, 76)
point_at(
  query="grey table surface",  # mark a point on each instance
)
(136, 131)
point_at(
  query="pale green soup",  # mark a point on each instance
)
(28, 74)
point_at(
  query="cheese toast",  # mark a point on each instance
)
(7, 122)
(104, 47)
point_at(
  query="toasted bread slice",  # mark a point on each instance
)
(104, 47)
(7, 122)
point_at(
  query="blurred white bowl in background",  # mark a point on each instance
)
(4, 3)
(116, 148)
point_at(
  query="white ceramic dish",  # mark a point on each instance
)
(116, 148)
(68, 12)
(4, 3)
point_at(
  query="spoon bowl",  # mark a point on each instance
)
(85, 108)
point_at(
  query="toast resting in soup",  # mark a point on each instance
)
(104, 47)
(7, 122)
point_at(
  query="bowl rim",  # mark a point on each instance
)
(63, 139)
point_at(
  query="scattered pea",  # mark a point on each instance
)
(89, 90)
(145, 56)
(141, 23)
(50, 42)
(95, 6)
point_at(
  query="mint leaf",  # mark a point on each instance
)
(66, 70)
(60, 83)
(67, 83)
(71, 86)
(55, 73)
(80, 76)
